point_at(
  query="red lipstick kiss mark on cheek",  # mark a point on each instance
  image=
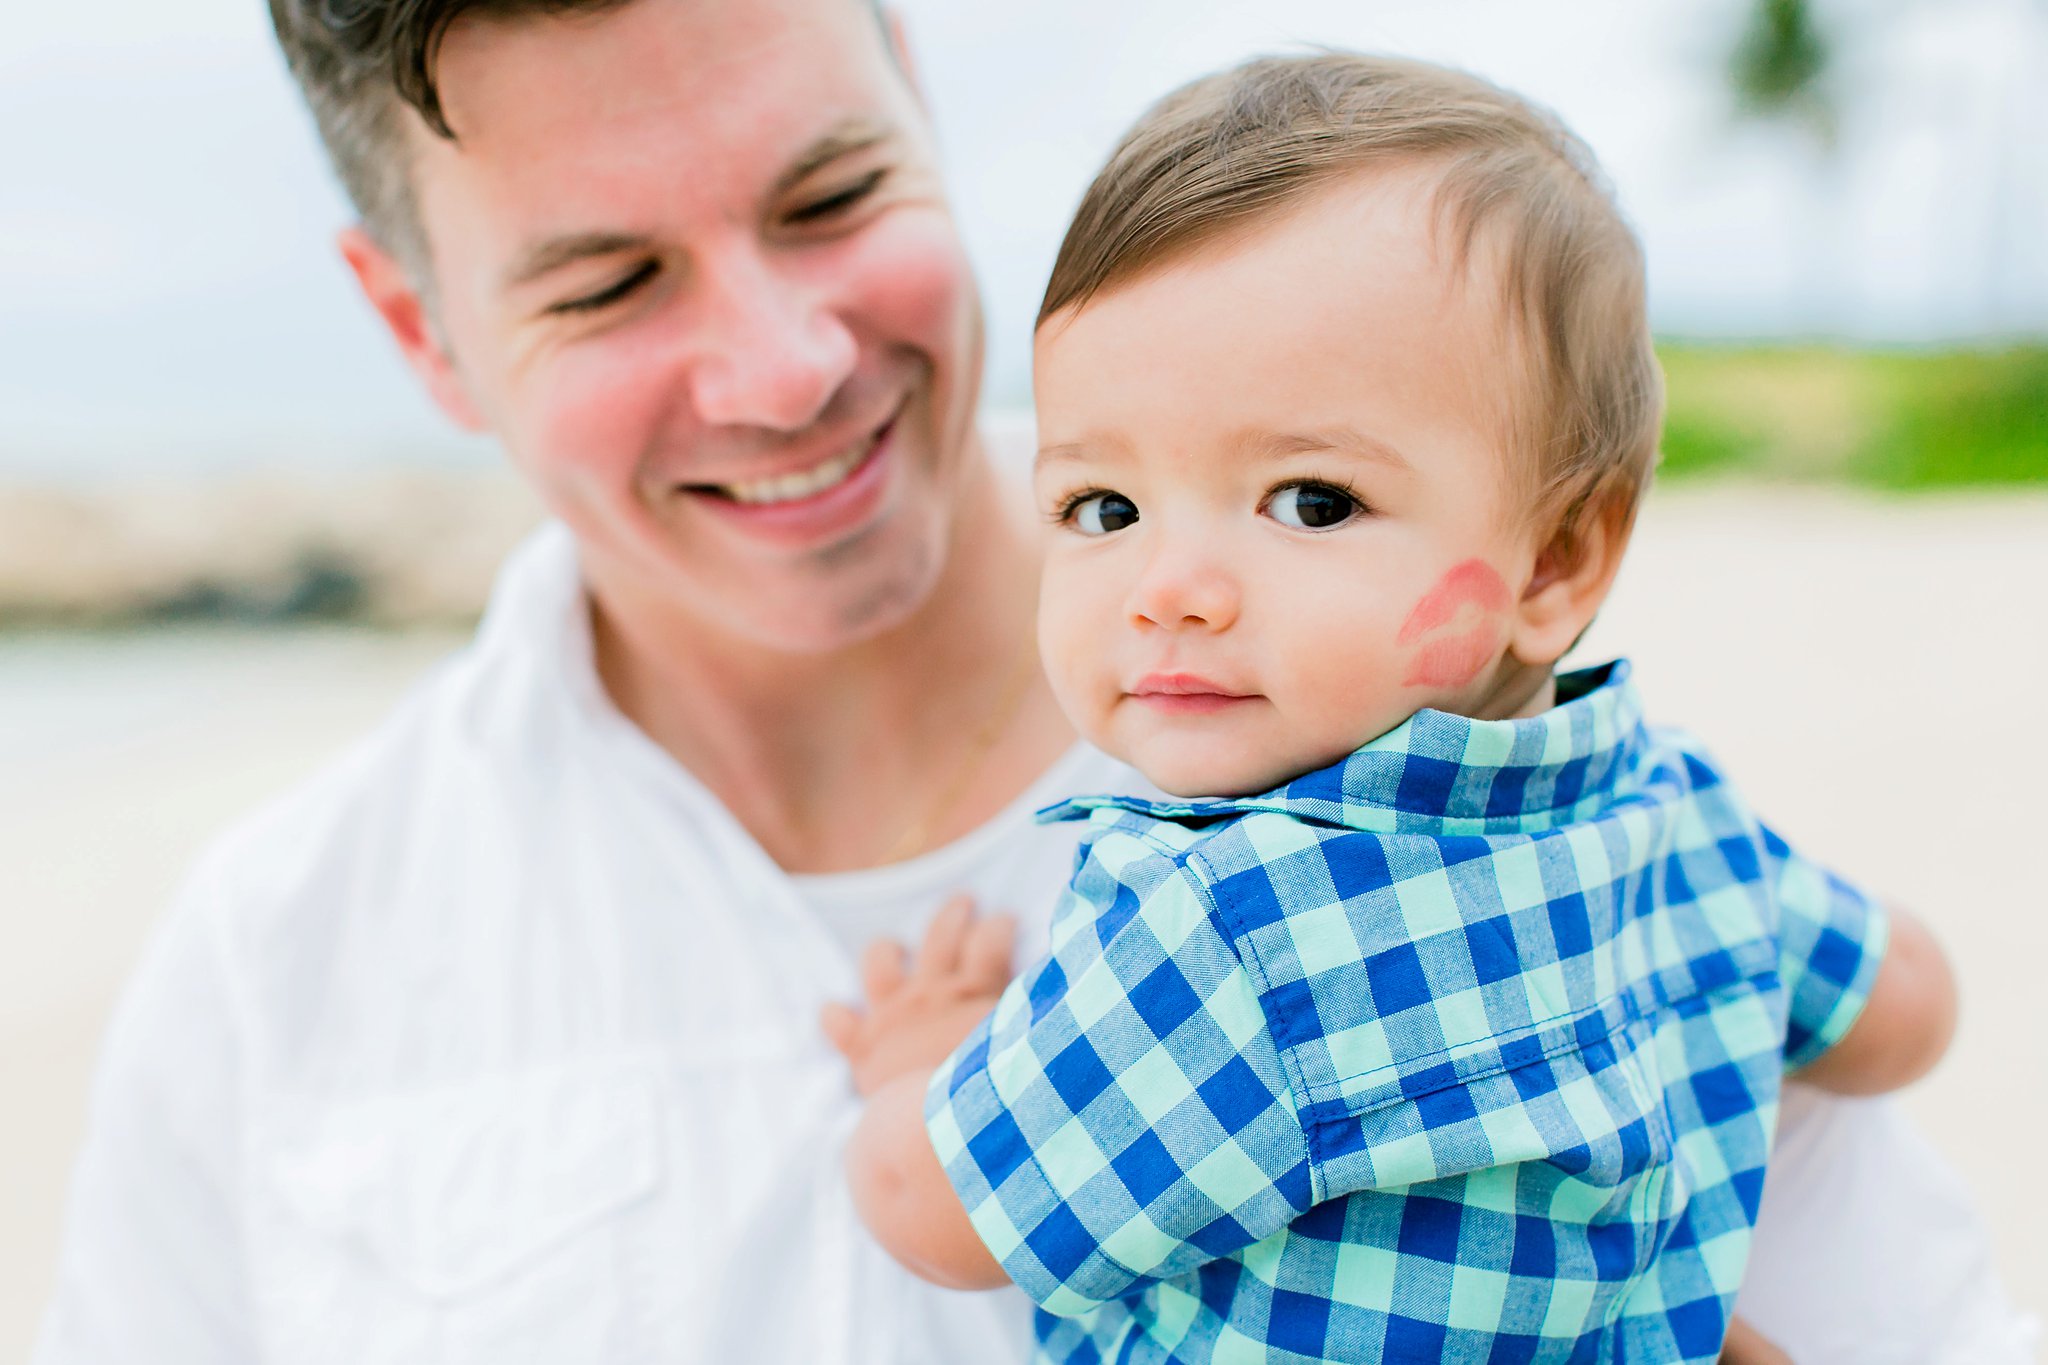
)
(1454, 662)
(1468, 597)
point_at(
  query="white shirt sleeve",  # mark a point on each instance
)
(151, 1264)
(1868, 1251)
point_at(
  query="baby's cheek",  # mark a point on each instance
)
(1453, 663)
(1455, 627)
(1074, 639)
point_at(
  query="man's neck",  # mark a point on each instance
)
(884, 749)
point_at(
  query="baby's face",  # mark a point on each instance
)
(1283, 514)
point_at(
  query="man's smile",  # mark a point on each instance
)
(809, 506)
(803, 482)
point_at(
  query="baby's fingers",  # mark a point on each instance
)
(1746, 1346)
(940, 953)
(882, 968)
(842, 1026)
(985, 961)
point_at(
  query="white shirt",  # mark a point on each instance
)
(497, 1042)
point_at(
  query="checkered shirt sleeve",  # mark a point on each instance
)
(1832, 938)
(1467, 1047)
(1123, 1115)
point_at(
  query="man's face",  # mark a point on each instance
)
(694, 266)
(1280, 495)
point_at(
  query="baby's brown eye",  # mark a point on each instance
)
(1311, 506)
(1098, 514)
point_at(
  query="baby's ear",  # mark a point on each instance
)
(1570, 579)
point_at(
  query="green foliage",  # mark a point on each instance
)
(1973, 419)
(322, 585)
(1779, 57)
(1885, 419)
(1778, 66)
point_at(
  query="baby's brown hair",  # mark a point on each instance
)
(1227, 152)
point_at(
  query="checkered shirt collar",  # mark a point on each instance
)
(1448, 774)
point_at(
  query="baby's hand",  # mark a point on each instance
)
(1747, 1346)
(918, 1012)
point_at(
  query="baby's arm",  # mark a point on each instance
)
(915, 1018)
(1871, 1001)
(1071, 1120)
(1745, 1345)
(902, 1194)
(1906, 1025)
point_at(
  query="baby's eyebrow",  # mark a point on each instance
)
(1344, 440)
(1053, 454)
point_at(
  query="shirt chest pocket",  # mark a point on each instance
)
(493, 1221)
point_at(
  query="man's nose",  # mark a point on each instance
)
(768, 351)
(1184, 587)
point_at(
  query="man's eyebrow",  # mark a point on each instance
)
(552, 253)
(842, 139)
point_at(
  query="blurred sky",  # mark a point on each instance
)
(170, 299)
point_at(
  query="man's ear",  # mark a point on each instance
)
(1569, 582)
(391, 292)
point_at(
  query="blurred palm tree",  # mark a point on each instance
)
(1779, 68)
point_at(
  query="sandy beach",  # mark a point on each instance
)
(1870, 670)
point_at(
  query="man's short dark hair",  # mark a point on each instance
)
(360, 63)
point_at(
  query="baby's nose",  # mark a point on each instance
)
(1184, 588)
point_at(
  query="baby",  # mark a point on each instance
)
(1446, 1016)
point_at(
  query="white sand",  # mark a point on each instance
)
(1872, 673)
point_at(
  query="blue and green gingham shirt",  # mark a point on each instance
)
(1467, 1047)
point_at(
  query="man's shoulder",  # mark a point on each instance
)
(485, 724)
(366, 811)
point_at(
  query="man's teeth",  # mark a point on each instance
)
(805, 484)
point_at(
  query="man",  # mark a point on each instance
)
(497, 1041)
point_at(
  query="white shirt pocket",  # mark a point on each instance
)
(490, 1221)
